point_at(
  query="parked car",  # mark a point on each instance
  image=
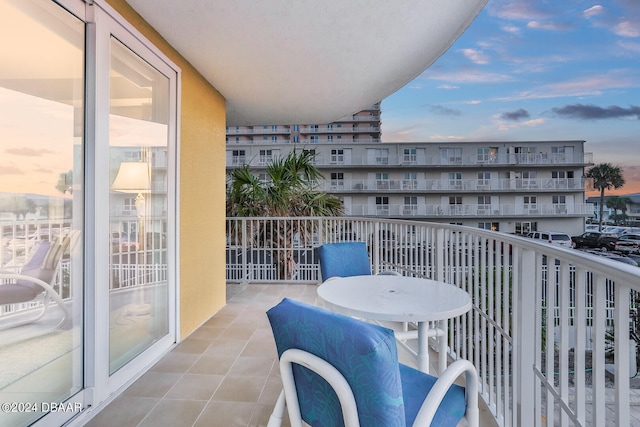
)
(595, 239)
(629, 243)
(552, 237)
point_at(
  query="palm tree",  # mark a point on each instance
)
(289, 189)
(605, 177)
(619, 204)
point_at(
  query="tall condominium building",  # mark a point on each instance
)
(515, 186)
(361, 127)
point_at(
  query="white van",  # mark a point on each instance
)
(552, 237)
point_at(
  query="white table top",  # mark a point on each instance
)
(394, 298)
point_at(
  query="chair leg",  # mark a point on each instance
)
(275, 420)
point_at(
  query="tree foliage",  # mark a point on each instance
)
(605, 176)
(289, 190)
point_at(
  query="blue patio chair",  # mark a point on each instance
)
(345, 259)
(35, 280)
(339, 371)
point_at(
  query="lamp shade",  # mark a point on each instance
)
(132, 177)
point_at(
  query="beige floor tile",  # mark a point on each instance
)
(226, 414)
(124, 411)
(153, 384)
(240, 389)
(173, 413)
(195, 387)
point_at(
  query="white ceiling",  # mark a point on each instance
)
(307, 61)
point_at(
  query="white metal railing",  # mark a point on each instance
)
(472, 210)
(542, 321)
(19, 238)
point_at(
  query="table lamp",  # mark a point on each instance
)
(133, 177)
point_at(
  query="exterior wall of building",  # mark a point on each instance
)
(202, 286)
(510, 186)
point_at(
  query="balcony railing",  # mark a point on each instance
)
(541, 331)
(447, 185)
(473, 210)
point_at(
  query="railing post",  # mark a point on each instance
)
(245, 269)
(375, 247)
(524, 293)
(439, 252)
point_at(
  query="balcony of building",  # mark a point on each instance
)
(431, 185)
(547, 332)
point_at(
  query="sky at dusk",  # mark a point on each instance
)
(529, 70)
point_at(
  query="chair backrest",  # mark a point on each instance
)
(44, 261)
(365, 354)
(344, 259)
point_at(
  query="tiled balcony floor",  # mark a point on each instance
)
(224, 375)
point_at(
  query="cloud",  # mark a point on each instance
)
(10, 170)
(583, 86)
(466, 76)
(627, 29)
(629, 47)
(511, 29)
(522, 10)
(475, 56)
(444, 111)
(528, 123)
(593, 112)
(515, 116)
(548, 25)
(593, 11)
(28, 152)
(446, 86)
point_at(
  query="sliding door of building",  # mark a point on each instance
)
(88, 116)
(41, 210)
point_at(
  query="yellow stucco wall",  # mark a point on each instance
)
(202, 187)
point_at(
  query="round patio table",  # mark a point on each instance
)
(400, 299)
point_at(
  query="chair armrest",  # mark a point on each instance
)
(442, 385)
(326, 371)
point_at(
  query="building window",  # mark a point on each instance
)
(529, 179)
(559, 204)
(266, 156)
(410, 181)
(313, 139)
(451, 156)
(382, 156)
(296, 128)
(494, 226)
(487, 154)
(274, 128)
(337, 157)
(410, 156)
(455, 205)
(484, 205)
(382, 205)
(238, 157)
(484, 180)
(382, 180)
(337, 180)
(410, 205)
(526, 227)
(530, 204)
(455, 180)
(296, 138)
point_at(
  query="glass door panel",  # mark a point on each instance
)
(138, 205)
(41, 208)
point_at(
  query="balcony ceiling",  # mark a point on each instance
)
(307, 61)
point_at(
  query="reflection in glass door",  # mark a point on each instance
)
(41, 208)
(138, 205)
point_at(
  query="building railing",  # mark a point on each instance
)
(541, 331)
(471, 210)
(130, 267)
(458, 185)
